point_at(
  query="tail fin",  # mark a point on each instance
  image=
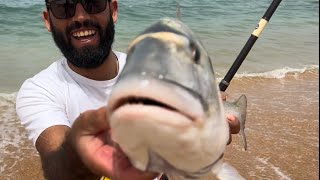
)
(241, 103)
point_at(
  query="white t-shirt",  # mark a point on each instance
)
(57, 96)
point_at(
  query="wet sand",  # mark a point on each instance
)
(282, 128)
(18, 158)
(282, 132)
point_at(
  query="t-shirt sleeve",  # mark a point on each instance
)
(39, 106)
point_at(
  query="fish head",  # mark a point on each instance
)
(165, 110)
(170, 51)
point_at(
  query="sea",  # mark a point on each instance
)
(280, 76)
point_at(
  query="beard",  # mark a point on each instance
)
(89, 57)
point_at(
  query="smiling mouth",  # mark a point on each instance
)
(84, 35)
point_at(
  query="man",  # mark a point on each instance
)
(56, 104)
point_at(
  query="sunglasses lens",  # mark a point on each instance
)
(63, 9)
(94, 6)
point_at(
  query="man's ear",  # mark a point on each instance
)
(114, 10)
(46, 19)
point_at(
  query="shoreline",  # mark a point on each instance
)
(281, 73)
(282, 131)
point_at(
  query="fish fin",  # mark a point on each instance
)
(244, 139)
(241, 103)
(226, 172)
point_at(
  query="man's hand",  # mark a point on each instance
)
(90, 137)
(233, 121)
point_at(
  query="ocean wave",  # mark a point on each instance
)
(273, 74)
(7, 98)
(21, 4)
(279, 73)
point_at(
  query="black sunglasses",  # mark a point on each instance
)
(64, 9)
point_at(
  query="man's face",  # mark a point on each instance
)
(85, 39)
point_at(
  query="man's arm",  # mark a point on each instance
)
(60, 147)
(59, 160)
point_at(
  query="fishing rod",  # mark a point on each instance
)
(225, 82)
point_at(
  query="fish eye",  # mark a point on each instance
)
(195, 53)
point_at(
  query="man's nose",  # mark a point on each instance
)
(80, 14)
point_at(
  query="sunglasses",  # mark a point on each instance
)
(64, 9)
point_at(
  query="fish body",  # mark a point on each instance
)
(165, 110)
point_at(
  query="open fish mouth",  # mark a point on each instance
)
(144, 101)
(155, 99)
(141, 102)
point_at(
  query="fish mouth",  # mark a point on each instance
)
(150, 98)
(143, 100)
(151, 102)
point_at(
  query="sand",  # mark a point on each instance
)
(282, 132)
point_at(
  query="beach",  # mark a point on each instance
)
(282, 131)
(282, 128)
(280, 77)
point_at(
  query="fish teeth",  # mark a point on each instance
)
(83, 33)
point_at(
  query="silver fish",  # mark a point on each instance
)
(166, 113)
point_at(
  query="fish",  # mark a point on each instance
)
(239, 109)
(165, 110)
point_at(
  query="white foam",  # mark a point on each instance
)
(278, 73)
(5, 98)
(276, 169)
(275, 74)
(7, 107)
(10, 131)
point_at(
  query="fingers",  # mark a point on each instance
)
(91, 138)
(234, 124)
(223, 95)
(123, 169)
(100, 161)
(88, 136)
(86, 127)
(92, 122)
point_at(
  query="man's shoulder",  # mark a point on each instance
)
(122, 58)
(50, 77)
(51, 69)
